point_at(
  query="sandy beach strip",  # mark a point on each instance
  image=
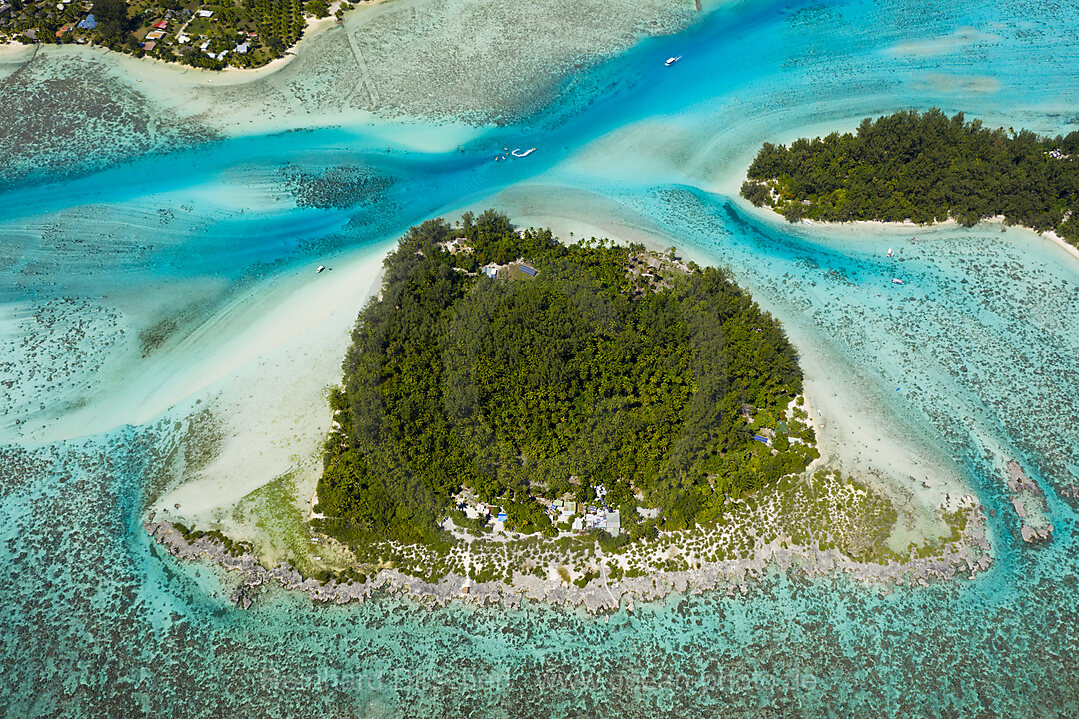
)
(901, 229)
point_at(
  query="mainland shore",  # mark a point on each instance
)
(313, 27)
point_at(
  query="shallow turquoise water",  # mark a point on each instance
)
(982, 342)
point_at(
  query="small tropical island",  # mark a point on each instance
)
(923, 168)
(581, 423)
(530, 374)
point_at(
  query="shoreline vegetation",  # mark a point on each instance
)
(924, 169)
(684, 460)
(204, 34)
(723, 558)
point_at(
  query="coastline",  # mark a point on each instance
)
(1058, 240)
(10, 48)
(964, 558)
(313, 27)
(952, 224)
(10, 51)
(906, 225)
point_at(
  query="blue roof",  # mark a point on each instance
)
(89, 23)
(760, 438)
(531, 271)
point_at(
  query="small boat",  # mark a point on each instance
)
(896, 282)
(320, 268)
(526, 153)
(672, 60)
(889, 252)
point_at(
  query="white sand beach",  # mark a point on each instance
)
(264, 376)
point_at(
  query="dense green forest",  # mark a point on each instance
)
(923, 167)
(524, 386)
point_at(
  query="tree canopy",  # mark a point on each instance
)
(524, 386)
(924, 167)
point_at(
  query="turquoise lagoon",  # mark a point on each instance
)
(203, 230)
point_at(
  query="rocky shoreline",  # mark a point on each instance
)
(1029, 505)
(969, 555)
